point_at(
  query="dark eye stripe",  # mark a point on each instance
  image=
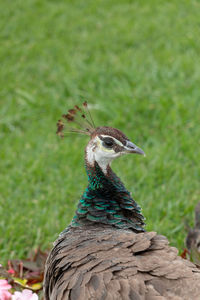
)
(108, 142)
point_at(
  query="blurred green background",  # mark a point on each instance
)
(138, 64)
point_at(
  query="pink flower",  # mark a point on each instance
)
(25, 295)
(11, 271)
(4, 287)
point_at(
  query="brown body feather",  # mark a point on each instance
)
(104, 263)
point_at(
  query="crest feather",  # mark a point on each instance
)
(80, 117)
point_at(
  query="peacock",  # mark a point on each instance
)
(105, 253)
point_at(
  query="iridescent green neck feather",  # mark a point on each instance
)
(107, 201)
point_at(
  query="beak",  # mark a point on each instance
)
(132, 148)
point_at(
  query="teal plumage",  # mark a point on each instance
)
(106, 200)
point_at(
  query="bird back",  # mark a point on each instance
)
(108, 263)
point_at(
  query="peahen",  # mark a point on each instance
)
(105, 253)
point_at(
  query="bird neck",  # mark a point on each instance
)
(107, 201)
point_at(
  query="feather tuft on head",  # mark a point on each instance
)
(60, 127)
(81, 118)
(72, 111)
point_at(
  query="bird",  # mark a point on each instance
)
(106, 253)
(193, 238)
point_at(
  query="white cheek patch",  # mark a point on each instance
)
(96, 152)
(90, 155)
(90, 151)
(103, 149)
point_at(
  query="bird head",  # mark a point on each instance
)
(106, 143)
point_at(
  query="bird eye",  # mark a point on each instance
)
(108, 143)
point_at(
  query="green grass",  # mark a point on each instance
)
(137, 63)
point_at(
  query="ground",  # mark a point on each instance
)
(137, 64)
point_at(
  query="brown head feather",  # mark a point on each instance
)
(60, 127)
(79, 117)
(72, 111)
(114, 132)
(77, 107)
(68, 117)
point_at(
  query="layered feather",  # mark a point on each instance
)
(107, 201)
(93, 262)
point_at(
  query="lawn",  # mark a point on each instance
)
(138, 64)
